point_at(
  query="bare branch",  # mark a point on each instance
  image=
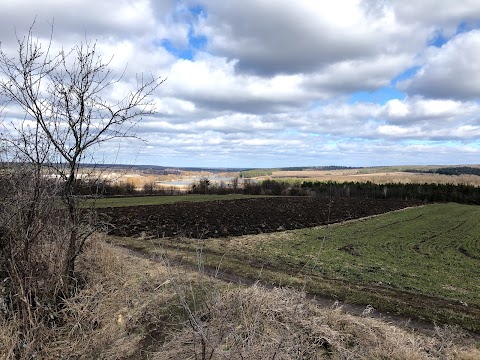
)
(67, 109)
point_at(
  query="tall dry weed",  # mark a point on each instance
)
(117, 305)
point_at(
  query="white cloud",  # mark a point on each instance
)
(211, 82)
(77, 18)
(452, 71)
(394, 131)
(131, 57)
(416, 109)
(396, 109)
(271, 85)
(238, 123)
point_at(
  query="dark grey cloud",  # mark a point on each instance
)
(444, 16)
(281, 37)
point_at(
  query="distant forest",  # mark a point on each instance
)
(428, 192)
(251, 173)
(465, 194)
(462, 170)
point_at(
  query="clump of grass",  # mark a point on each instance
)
(118, 305)
(255, 322)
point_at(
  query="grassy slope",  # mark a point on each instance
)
(422, 261)
(415, 250)
(159, 200)
(132, 308)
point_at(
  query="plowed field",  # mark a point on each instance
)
(240, 217)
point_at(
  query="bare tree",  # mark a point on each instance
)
(63, 96)
(235, 184)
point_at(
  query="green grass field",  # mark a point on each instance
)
(421, 261)
(159, 200)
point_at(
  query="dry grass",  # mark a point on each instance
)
(257, 323)
(129, 307)
(118, 304)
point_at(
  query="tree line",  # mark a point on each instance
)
(459, 170)
(427, 192)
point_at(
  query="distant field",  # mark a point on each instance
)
(160, 200)
(422, 261)
(375, 176)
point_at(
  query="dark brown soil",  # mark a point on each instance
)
(240, 217)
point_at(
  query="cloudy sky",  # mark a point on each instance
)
(268, 83)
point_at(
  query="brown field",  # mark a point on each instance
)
(140, 179)
(375, 177)
(241, 216)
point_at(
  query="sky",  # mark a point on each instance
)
(278, 83)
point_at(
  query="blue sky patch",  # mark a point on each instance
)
(380, 96)
(195, 43)
(182, 53)
(466, 26)
(409, 73)
(197, 10)
(438, 40)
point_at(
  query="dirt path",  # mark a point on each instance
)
(406, 322)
